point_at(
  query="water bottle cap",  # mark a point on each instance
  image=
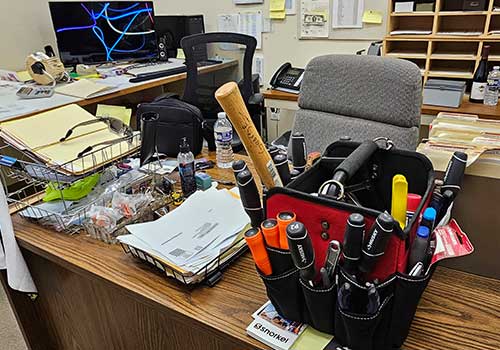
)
(423, 232)
(496, 67)
(184, 146)
(430, 214)
(221, 115)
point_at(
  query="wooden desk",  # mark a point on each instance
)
(487, 112)
(93, 296)
(125, 88)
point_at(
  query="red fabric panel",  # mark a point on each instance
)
(313, 214)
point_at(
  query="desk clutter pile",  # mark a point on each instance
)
(84, 173)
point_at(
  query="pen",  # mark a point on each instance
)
(376, 242)
(373, 299)
(344, 296)
(255, 242)
(284, 219)
(399, 199)
(429, 218)
(271, 232)
(302, 251)
(353, 241)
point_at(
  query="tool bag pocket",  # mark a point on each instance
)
(320, 303)
(281, 260)
(407, 295)
(285, 293)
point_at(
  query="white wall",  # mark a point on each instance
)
(25, 26)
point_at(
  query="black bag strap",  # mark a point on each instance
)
(166, 96)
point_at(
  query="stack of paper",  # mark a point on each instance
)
(479, 138)
(40, 136)
(188, 238)
(119, 112)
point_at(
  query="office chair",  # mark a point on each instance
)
(201, 86)
(360, 97)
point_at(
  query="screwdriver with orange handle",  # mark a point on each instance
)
(255, 241)
(271, 232)
(284, 219)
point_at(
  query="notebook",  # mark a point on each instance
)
(83, 88)
(25, 134)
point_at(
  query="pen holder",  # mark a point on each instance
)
(387, 326)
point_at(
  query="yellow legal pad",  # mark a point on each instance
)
(40, 135)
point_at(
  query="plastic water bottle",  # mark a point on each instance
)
(491, 94)
(223, 131)
(187, 168)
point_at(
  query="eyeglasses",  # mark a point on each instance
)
(114, 125)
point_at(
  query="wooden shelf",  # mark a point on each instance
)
(415, 13)
(450, 74)
(414, 55)
(462, 13)
(459, 57)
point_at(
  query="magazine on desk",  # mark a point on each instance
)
(273, 330)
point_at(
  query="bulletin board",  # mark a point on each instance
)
(367, 32)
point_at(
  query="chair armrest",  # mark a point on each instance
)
(256, 99)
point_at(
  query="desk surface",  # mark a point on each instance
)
(123, 87)
(458, 310)
(466, 107)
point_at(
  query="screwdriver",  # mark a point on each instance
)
(301, 250)
(353, 241)
(281, 162)
(271, 232)
(376, 242)
(250, 197)
(255, 242)
(284, 219)
(299, 153)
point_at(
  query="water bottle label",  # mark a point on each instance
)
(224, 136)
(478, 90)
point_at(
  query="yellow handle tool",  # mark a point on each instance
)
(399, 199)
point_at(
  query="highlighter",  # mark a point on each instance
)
(271, 233)
(399, 199)
(284, 219)
(255, 242)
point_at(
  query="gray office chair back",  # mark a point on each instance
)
(362, 97)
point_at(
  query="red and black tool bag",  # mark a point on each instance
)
(325, 220)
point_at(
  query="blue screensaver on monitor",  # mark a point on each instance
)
(95, 32)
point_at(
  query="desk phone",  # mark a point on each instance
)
(287, 78)
(35, 91)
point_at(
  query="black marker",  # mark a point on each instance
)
(353, 241)
(376, 241)
(250, 197)
(281, 162)
(299, 153)
(302, 251)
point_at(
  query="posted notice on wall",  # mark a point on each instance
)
(314, 18)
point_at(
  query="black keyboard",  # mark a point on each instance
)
(159, 74)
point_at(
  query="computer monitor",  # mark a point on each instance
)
(173, 28)
(92, 32)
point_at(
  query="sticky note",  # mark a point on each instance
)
(372, 16)
(277, 14)
(23, 76)
(180, 54)
(277, 5)
(119, 112)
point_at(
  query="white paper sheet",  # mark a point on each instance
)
(196, 232)
(251, 24)
(18, 275)
(347, 13)
(246, 2)
(228, 23)
(291, 7)
(314, 18)
(258, 67)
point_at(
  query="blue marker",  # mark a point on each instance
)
(429, 218)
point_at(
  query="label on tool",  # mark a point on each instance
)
(274, 173)
(451, 242)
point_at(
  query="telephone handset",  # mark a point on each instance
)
(287, 78)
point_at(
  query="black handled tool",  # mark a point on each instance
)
(302, 251)
(299, 152)
(281, 162)
(348, 168)
(376, 241)
(273, 151)
(250, 197)
(455, 173)
(294, 173)
(239, 166)
(353, 241)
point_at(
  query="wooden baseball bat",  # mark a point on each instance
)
(230, 99)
